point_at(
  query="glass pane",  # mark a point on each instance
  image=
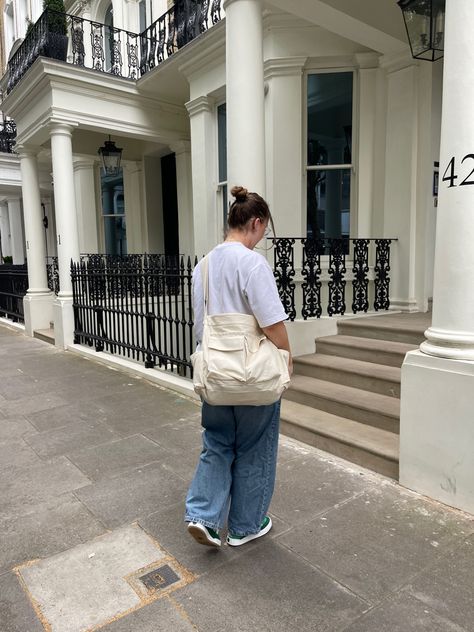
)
(115, 235)
(330, 118)
(222, 141)
(329, 194)
(225, 205)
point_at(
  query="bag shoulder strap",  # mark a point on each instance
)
(205, 281)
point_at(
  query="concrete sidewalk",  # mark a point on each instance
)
(94, 466)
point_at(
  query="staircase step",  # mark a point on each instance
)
(376, 378)
(370, 447)
(365, 349)
(46, 335)
(394, 328)
(373, 409)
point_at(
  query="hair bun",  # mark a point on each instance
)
(240, 193)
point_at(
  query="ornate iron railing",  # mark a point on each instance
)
(52, 272)
(324, 277)
(108, 49)
(137, 306)
(177, 27)
(7, 135)
(13, 286)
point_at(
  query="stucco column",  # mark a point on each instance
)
(39, 299)
(84, 180)
(16, 231)
(66, 227)
(205, 225)
(182, 150)
(437, 396)
(5, 230)
(245, 95)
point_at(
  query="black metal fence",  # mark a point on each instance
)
(137, 306)
(52, 272)
(13, 286)
(7, 135)
(108, 49)
(325, 279)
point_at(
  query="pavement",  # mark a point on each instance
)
(94, 467)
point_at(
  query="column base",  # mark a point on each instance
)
(63, 322)
(38, 310)
(436, 429)
(448, 344)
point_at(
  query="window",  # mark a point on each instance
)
(113, 212)
(329, 154)
(222, 159)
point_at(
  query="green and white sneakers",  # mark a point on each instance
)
(238, 540)
(203, 534)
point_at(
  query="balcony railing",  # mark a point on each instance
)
(13, 286)
(111, 50)
(177, 27)
(7, 135)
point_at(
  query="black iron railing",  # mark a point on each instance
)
(325, 278)
(108, 49)
(137, 306)
(52, 272)
(177, 27)
(7, 135)
(13, 286)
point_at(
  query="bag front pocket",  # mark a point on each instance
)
(226, 358)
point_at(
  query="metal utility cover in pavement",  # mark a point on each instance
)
(160, 578)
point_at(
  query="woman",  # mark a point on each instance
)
(235, 475)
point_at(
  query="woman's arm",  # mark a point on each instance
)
(279, 336)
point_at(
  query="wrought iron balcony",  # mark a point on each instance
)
(7, 135)
(107, 49)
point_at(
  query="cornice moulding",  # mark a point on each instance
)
(201, 104)
(366, 61)
(393, 63)
(283, 66)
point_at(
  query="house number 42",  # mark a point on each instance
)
(450, 174)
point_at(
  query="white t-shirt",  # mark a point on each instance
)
(240, 281)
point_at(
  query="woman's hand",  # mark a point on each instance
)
(279, 336)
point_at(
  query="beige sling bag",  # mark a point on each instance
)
(237, 364)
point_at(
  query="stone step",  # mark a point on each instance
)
(46, 335)
(386, 328)
(370, 447)
(376, 378)
(368, 408)
(364, 349)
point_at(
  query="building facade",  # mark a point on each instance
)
(318, 105)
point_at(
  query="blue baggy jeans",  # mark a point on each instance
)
(235, 476)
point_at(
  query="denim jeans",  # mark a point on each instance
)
(236, 470)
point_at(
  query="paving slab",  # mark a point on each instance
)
(61, 441)
(13, 428)
(306, 487)
(26, 405)
(161, 616)
(268, 588)
(111, 458)
(48, 528)
(133, 494)
(403, 613)
(16, 612)
(94, 583)
(60, 416)
(447, 586)
(378, 541)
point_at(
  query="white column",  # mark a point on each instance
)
(84, 185)
(437, 421)
(16, 231)
(5, 231)
(204, 174)
(133, 189)
(133, 20)
(245, 95)
(39, 299)
(182, 150)
(284, 145)
(66, 227)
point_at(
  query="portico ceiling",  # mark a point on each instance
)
(376, 24)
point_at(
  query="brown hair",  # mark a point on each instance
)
(246, 206)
